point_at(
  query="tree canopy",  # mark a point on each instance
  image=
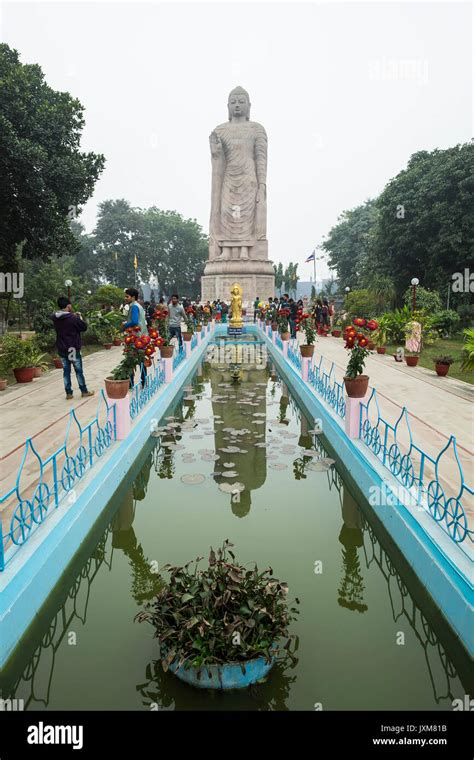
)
(45, 176)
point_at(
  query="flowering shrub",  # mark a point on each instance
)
(357, 342)
(304, 323)
(161, 317)
(282, 318)
(138, 349)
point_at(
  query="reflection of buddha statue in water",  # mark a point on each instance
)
(250, 467)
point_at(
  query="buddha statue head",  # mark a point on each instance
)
(238, 103)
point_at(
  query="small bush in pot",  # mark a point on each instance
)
(283, 324)
(442, 364)
(357, 341)
(161, 317)
(188, 333)
(225, 615)
(380, 339)
(19, 355)
(304, 323)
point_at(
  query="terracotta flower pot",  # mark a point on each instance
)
(441, 369)
(108, 346)
(381, 349)
(117, 341)
(371, 345)
(356, 387)
(37, 372)
(57, 362)
(3, 384)
(166, 352)
(116, 388)
(268, 321)
(285, 336)
(187, 336)
(147, 362)
(24, 374)
(274, 326)
(336, 333)
(306, 351)
(411, 361)
(198, 328)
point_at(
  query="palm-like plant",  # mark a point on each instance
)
(468, 350)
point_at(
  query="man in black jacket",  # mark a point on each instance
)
(68, 328)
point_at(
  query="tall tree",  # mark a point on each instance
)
(45, 176)
(348, 243)
(278, 277)
(425, 218)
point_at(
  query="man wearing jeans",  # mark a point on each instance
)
(177, 314)
(68, 328)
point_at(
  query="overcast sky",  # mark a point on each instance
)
(346, 92)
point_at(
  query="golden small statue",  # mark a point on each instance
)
(236, 306)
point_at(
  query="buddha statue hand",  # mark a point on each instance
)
(261, 193)
(216, 145)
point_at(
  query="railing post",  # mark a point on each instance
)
(285, 348)
(123, 422)
(168, 369)
(305, 362)
(188, 349)
(352, 419)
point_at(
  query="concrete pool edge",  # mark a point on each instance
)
(25, 587)
(450, 591)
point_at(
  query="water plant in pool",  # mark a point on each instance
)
(226, 614)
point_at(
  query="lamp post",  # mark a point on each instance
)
(68, 284)
(415, 281)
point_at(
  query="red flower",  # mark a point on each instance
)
(359, 321)
(128, 340)
(363, 342)
(153, 333)
(136, 328)
(372, 324)
(350, 342)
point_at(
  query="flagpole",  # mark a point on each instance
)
(314, 269)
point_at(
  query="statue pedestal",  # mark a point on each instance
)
(256, 277)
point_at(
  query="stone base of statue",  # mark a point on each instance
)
(256, 278)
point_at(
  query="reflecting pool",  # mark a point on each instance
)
(234, 457)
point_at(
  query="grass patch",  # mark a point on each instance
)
(443, 347)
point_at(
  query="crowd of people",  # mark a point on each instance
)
(139, 314)
(322, 311)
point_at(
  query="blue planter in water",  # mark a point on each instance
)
(227, 676)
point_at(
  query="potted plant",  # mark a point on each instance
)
(412, 358)
(3, 373)
(18, 355)
(137, 350)
(221, 627)
(162, 328)
(380, 339)
(442, 364)
(336, 331)
(117, 337)
(188, 333)
(199, 319)
(39, 360)
(304, 323)
(357, 341)
(57, 362)
(283, 324)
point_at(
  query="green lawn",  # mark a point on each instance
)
(443, 347)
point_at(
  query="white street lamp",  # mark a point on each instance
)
(415, 281)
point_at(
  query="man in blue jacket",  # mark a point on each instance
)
(68, 328)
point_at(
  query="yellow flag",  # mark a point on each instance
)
(135, 262)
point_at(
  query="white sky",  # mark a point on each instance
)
(341, 120)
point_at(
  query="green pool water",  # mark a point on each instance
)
(368, 636)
